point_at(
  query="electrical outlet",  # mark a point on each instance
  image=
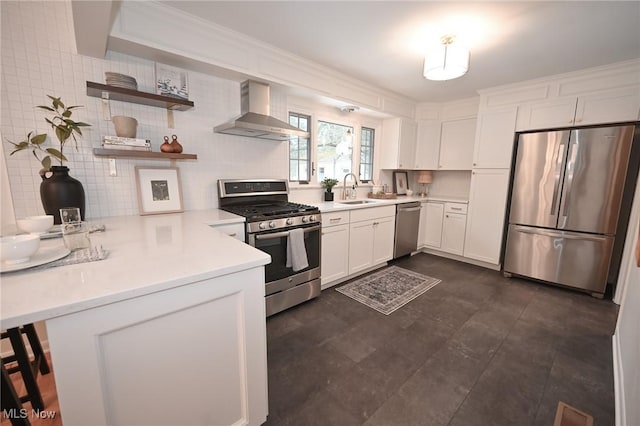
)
(112, 167)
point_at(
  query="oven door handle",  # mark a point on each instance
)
(285, 233)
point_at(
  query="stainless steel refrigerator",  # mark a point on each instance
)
(565, 203)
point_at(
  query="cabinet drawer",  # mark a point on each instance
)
(235, 230)
(335, 218)
(359, 215)
(455, 208)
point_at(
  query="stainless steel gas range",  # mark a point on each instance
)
(270, 220)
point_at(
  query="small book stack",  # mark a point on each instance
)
(131, 144)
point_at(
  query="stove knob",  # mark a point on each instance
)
(272, 224)
(304, 219)
(289, 221)
(262, 225)
(312, 218)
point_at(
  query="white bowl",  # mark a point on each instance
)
(18, 248)
(35, 224)
(126, 127)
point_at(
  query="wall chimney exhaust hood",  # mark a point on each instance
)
(255, 121)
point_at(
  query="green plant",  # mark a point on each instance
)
(329, 183)
(64, 127)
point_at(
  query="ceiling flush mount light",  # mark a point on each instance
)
(446, 61)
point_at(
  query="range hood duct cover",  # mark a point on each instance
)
(255, 121)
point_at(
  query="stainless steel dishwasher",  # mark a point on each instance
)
(407, 222)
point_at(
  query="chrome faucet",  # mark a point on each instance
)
(344, 184)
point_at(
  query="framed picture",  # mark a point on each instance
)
(158, 190)
(171, 81)
(400, 183)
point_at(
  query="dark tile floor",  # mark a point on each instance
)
(477, 349)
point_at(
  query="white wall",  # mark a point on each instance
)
(38, 58)
(629, 345)
(627, 337)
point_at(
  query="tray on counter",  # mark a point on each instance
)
(385, 196)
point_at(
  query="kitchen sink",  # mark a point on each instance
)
(353, 202)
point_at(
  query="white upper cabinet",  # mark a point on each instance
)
(456, 144)
(398, 144)
(546, 115)
(609, 106)
(428, 145)
(494, 138)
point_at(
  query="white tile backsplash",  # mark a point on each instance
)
(36, 63)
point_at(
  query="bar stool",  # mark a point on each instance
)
(27, 367)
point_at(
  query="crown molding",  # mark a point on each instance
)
(159, 32)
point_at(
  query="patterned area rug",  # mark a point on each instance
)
(389, 289)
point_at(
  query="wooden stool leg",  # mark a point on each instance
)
(36, 348)
(11, 404)
(25, 368)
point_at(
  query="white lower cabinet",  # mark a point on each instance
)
(356, 241)
(384, 231)
(109, 359)
(432, 229)
(371, 235)
(485, 218)
(360, 246)
(453, 227)
(442, 226)
(334, 247)
(335, 253)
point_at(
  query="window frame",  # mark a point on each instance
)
(310, 143)
(322, 113)
(334, 120)
(372, 150)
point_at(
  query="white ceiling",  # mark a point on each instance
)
(382, 42)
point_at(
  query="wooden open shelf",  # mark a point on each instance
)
(104, 91)
(103, 152)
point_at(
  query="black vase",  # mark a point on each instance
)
(328, 196)
(61, 190)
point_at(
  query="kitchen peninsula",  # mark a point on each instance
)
(169, 329)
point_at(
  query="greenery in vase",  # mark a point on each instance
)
(329, 183)
(64, 127)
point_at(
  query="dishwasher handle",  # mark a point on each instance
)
(409, 209)
(412, 206)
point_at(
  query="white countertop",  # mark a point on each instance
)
(334, 206)
(146, 254)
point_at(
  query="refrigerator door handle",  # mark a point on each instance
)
(559, 234)
(572, 160)
(556, 185)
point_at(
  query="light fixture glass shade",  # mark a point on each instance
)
(446, 61)
(425, 176)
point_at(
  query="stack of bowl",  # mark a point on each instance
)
(120, 80)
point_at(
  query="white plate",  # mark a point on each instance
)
(42, 256)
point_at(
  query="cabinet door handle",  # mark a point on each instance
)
(335, 219)
(456, 208)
